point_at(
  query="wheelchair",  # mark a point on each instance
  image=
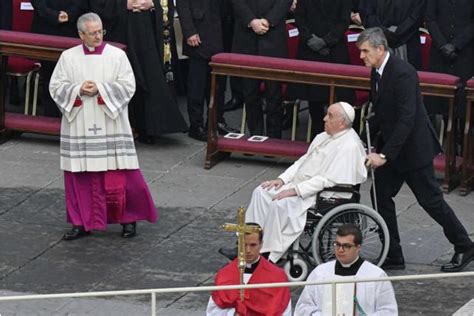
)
(315, 244)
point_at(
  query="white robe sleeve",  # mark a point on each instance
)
(345, 167)
(308, 304)
(117, 94)
(63, 91)
(386, 303)
(290, 173)
(214, 310)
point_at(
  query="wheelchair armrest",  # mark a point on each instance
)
(342, 188)
(354, 189)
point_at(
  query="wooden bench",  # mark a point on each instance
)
(36, 46)
(467, 181)
(326, 74)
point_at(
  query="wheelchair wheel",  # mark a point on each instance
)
(375, 237)
(296, 272)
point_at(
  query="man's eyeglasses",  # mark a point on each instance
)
(344, 247)
(101, 32)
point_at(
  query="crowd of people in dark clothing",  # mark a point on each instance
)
(256, 28)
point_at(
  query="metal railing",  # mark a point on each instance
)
(154, 292)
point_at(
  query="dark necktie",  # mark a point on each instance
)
(377, 80)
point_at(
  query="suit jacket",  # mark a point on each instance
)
(406, 136)
(45, 19)
(274, 42)
(452, 22)
(113, 14)
(201, 17)
(407, 15)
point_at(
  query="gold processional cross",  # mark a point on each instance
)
(241, 229)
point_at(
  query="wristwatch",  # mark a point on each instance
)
(383, 156)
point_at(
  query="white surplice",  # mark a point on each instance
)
(330, 160)
(374, 298)
(94, 136)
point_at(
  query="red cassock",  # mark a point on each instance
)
(257, 302)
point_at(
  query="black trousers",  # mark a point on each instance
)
(423, 184)
(199, 88)
(254, 109)
(49, 106)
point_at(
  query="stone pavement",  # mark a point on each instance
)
(179, 250)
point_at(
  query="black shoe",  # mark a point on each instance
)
(459, 261)
(230, 253)
(233, 104)
(225, 129)
(129, 230)
(75, 233)
(198, 133)
(146, 139)
(394, 264)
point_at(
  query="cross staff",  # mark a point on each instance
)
(241, 229)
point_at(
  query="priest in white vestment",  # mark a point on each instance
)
(335, 157)
(364, 298)
(92, 85)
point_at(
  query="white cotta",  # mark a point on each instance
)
(95, 137)
(373, 298)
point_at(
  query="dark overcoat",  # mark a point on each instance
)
(274, 42)
(327, 19)
(407, 15)
(113, 14)
(45, 18)
(452, 21)
(201, 17)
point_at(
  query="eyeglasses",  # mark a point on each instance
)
(344, 247)
(101, 32)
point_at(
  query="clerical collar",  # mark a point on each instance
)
(350, 269)
(250, 267)
(382, 67)
(93, 50)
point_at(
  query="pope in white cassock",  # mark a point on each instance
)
(364, 298)
(335, 157)
(92, 85)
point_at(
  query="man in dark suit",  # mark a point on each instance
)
(400, 20)
(451, 25)
(202, 37)
(54, 17)
(405, 147)
(321, 26)
(260, 30)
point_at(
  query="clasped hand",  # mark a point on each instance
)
(194, 40)
(89, 88)
(63, 17)
(260, 26)
(140, 5)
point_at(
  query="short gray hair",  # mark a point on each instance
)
(87, 17)
(374, 36)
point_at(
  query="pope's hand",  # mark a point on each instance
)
(284, 194)
(276, 184)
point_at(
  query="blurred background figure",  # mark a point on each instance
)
(400, 20)
(54, 17)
